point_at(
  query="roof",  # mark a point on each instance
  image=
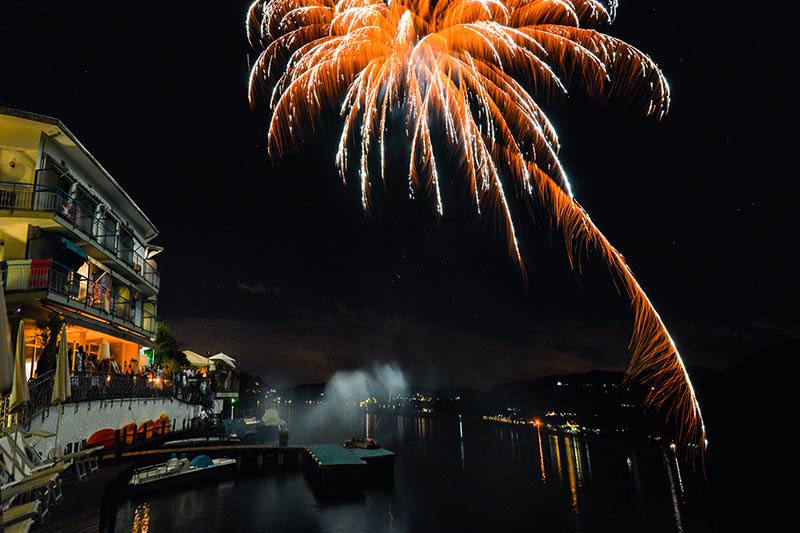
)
(111, 188)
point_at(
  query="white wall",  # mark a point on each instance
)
(80, 420)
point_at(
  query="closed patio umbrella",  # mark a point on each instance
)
(19, 390)
(6, 354)
(61, 383)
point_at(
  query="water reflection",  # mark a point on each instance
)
(141, 518)
(541, 453)
(676, 504)
(568, 482)
(461, 440)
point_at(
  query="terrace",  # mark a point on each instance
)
(67, 287)
(80, 214)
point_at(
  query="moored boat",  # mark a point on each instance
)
(367, 444)
(178, 472)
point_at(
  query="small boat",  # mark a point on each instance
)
(103, 437)
(367, 444)
(127, 432)
(177, 472)
(204, 441)
(145, 430)
(161, 426)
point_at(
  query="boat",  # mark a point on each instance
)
(161, 426)
(367, 444)
(204, 441)
(104, 437)
(180, 472)
(145, 430)
(128, 433)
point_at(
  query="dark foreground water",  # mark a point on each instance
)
(451, 475)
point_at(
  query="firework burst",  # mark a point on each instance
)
(463, 76)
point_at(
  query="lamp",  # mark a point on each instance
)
(105, 352)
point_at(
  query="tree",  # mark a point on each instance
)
(48, 333)
(167, 353)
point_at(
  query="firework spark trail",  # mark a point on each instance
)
(468, 69)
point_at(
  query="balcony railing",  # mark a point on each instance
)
(97, 229)
(81, 292)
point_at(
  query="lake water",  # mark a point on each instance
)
(451, 474)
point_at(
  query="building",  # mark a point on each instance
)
(72, 241)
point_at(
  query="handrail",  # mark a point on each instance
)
(36, 197)
(81, 291)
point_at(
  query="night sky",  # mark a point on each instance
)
(277, 265)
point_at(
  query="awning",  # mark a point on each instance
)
(68, 254)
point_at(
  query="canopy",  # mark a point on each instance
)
(223, 358)
(195, 359)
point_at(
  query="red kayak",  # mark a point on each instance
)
(103, 437)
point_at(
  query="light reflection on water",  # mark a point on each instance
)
(453, 473)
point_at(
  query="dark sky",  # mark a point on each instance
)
(277, 265)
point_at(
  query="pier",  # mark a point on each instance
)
(333, 467)
(328, 467)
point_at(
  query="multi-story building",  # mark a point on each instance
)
(74, 242)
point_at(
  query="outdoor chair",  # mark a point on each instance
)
(86, 460)
(46, 488)
(19, 513)
(20, 527)
(21, 474)
(22, 461)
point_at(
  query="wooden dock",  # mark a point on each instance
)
(85, 501)
(89, 505)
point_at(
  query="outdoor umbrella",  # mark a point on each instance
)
(61, 383)
(195, 359)
(6, 355)
(19, 390)
(228, 360)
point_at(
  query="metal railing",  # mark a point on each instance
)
(81, 292)
(91, 386)
(97, 229)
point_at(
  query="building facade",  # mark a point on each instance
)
(73, 242)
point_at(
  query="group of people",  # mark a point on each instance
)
(190, 383)
(85, 362)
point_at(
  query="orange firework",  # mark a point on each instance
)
(467, 70)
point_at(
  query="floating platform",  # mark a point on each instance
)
(334, 467)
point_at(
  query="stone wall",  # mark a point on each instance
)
(80, 420)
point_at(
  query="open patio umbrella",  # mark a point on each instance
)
(19, 390)
(61, 383)
(195, 359)
(6, 354)
(224, 358)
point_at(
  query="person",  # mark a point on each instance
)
(203, 392)
(79, 360)
(90, 366)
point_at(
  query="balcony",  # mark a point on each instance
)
(99, 230)
(69, 288)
